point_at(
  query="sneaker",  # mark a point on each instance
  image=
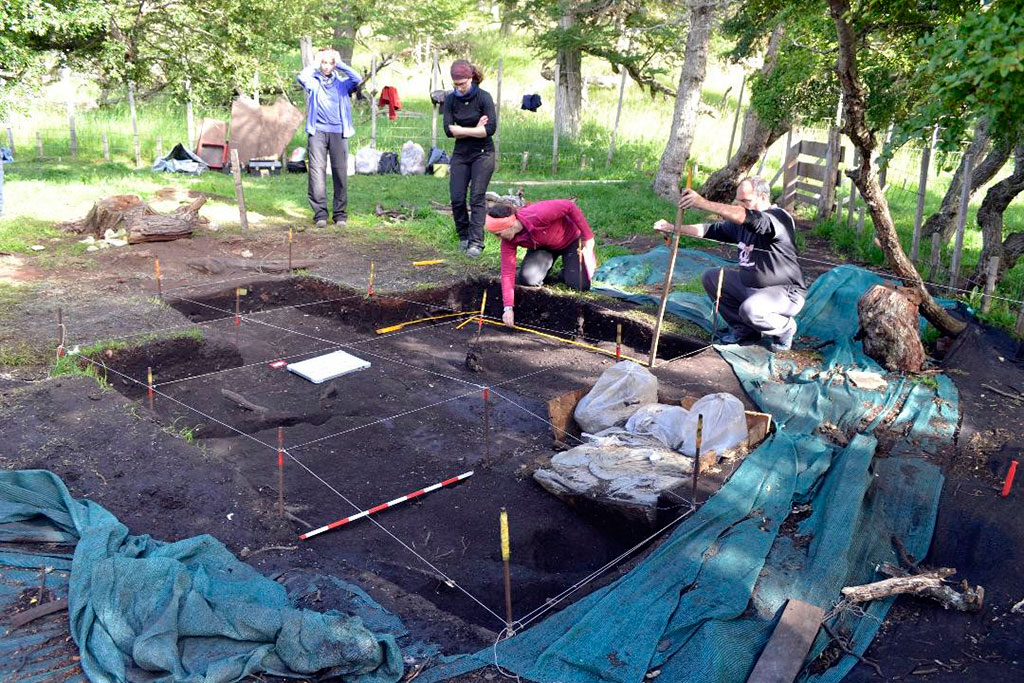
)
(340, 222)
(734, 337)
(784, 341)
(463, 245)
(474, 251)
(322, 223)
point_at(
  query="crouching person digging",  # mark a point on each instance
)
(549, 230)
(766, 291)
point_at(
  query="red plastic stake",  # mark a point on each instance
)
(369, 287)
(1008, 484)
(618, 342)
(149, 386)
(159, 285)
(238, 306)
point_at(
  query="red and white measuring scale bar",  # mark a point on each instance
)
(385, 506)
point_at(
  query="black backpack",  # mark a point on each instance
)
(388, 163)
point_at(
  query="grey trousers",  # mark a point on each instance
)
(751, 311)
(320, 147)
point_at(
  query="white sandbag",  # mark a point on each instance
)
(725, 424)
(413, 159)
(618, 393)
(367, 160)
(665, 423)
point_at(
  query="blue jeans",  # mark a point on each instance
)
(320, 146)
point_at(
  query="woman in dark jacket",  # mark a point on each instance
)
(469, 117)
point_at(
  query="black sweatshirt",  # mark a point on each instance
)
(467, 113)
(767, 248)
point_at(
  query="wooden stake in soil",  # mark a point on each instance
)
(1008, 482)
(60, 332)
(618, 342)
(149, 386)
(238, 306)
(718, 299)
(696, 459)
(236, 171)
(159, 285)
(673, 251)
(280, 471)
(290, 238)
(506, 555)
(369, 286)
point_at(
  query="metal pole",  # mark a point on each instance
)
(497, 113)
(618, 113)
(961, 219)
(922, 185)
(736, 119)
(69, 94)
(554, 127)
(373, 104)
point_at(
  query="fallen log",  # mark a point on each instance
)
(142, 223)
(37, 612)
(888, 327)
(930, 584)
(244, 403)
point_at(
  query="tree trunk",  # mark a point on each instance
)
(864, 140)
(684, 119)
(345, 37)
(990, 218)
(943, 221)
(570, 82)
(756, 138)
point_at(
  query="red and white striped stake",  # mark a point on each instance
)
(280, 471)
(149, 386)
(487, 424)
(385, 506)
(369, 287)
(1008, 483)
(618, 342)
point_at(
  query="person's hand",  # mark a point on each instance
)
(689, 199)
(483, 121)
(508, 317)
(664, 226)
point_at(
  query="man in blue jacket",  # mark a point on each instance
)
(329, 84)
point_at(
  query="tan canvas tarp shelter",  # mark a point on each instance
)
(262, 132)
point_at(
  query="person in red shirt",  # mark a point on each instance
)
(548, 230)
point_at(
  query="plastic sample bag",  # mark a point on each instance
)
(665, 423)
(413, 160)
(367, 160)
(617, 394)
(725, 424)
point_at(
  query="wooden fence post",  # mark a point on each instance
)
(961, 220)
(789, 172)
(69, 95)
(39, 145)
(526, 160)
(1019, 327)
(434, 108)
(497, 113)
(1, 188)
(236, 171)
(106, 147)
(922, 186)
(306, 50)
(135, 124)
(850, 204)
(554, 128)
(159, 146)
(190, 121)
(373, 104)
(10, 139)
(828, 185)
(990, 284)
(736, 119)
(618, 113)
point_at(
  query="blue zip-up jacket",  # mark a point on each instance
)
(345, 80)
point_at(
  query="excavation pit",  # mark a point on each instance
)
(416, 417)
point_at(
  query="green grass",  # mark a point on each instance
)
(77, 363)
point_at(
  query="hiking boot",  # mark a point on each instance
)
(322, 223)
(734, 337)
(784, 341)
(463, 245)
(474, 251)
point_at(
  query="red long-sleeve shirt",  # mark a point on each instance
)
(553, 224)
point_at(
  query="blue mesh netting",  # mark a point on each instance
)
(708, 599)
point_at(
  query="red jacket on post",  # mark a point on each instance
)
(553, 224)
(389, 97)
